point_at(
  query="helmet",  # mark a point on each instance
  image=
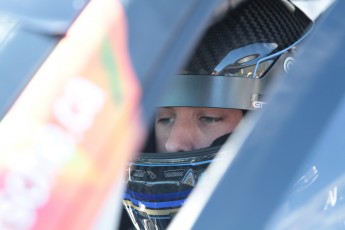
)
(232, 65)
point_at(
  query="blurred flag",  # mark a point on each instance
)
(66, 140)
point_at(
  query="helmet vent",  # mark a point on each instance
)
(138, 173)
(174, 173)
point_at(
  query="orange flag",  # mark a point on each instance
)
(67, 139)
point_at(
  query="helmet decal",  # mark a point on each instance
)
(288, 62)
(189, 178)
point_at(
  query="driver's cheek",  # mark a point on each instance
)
(213, 131)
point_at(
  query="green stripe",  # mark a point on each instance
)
(109, 62)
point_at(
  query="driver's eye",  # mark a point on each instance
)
(207, 119)
(165, 120)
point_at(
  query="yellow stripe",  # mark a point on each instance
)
(155, 212)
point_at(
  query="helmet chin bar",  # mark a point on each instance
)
(159, 183)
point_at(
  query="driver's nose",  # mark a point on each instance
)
(183, 137)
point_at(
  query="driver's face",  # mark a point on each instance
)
(185, 128)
